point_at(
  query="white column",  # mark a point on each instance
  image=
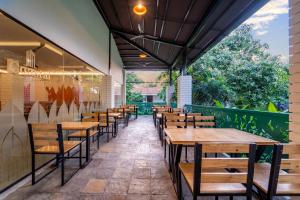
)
(124, 88)
(184, 91)
(107, 92)
(294, 98)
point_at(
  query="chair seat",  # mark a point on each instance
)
(82, 133)
(187, 170)
(54, 148)
(261, 180)
(104, 124)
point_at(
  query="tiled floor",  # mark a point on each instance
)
(131, 166)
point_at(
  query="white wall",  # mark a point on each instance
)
(75, 25)
(116, 62)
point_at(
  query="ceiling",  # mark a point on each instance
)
(173, 33)
(45, 59)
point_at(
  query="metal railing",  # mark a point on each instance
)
(267, 124)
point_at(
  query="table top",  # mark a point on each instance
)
(189, 136)
(78, 125)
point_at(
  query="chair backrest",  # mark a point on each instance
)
(177, 110)
(190, 118)
(103, 117)
(45, 134)
(290, 166)
(206, 169)
(204, 121)
(173, 120)
(160, 110)
(89, 117)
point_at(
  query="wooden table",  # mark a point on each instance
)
(179, 137)
(75, 126)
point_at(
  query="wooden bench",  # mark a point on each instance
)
(47, 139)
(107, 122)
(282, 176)
(210, 177)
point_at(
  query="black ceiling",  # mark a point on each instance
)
(173, 33)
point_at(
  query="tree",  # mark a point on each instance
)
(132, 96)
(240, 72)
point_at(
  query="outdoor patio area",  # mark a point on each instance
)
(150, 100)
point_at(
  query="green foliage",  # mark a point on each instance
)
(218, 104)
(240, 72)
(272, 107)
(131, 79)
(164, 78)
(266, 124)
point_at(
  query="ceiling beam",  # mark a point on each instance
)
(163, 24)
(148, 37)
(142, 48)
(102, 13)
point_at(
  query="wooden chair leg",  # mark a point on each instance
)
(32, 168)
(186, 152)
(179, 187)
(165, 144)
(80, 155)
(98, 140)
(107, 132)
(62, 170)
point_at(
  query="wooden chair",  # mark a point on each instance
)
(190, 118)
(107, 123)
(282, 176)
(204, 121)
(81, 135)
(47, 139)
(177, 110)
(172, 120)
(210, 177)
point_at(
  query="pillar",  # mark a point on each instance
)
(184, 90)
(294, 88)
(107, 92)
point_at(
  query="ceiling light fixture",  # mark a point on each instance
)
(142, 55)
(53, 49)
(19, 44)
(140, 9)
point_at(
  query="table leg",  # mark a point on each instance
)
(136, 113)
(87, 145)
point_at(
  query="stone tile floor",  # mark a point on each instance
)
(131, 166)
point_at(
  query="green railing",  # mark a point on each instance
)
(145, 108)
(267, 124)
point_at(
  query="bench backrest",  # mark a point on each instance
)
(282, 160)
(45, 134)
(204, 121)
(174, 120)
(206, 169)
(89, 117)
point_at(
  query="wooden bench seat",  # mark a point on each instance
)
(187, 170)
(82, 133)
(54, 148)
(261, 180)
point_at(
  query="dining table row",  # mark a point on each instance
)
(65, 140)
(224, 161)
